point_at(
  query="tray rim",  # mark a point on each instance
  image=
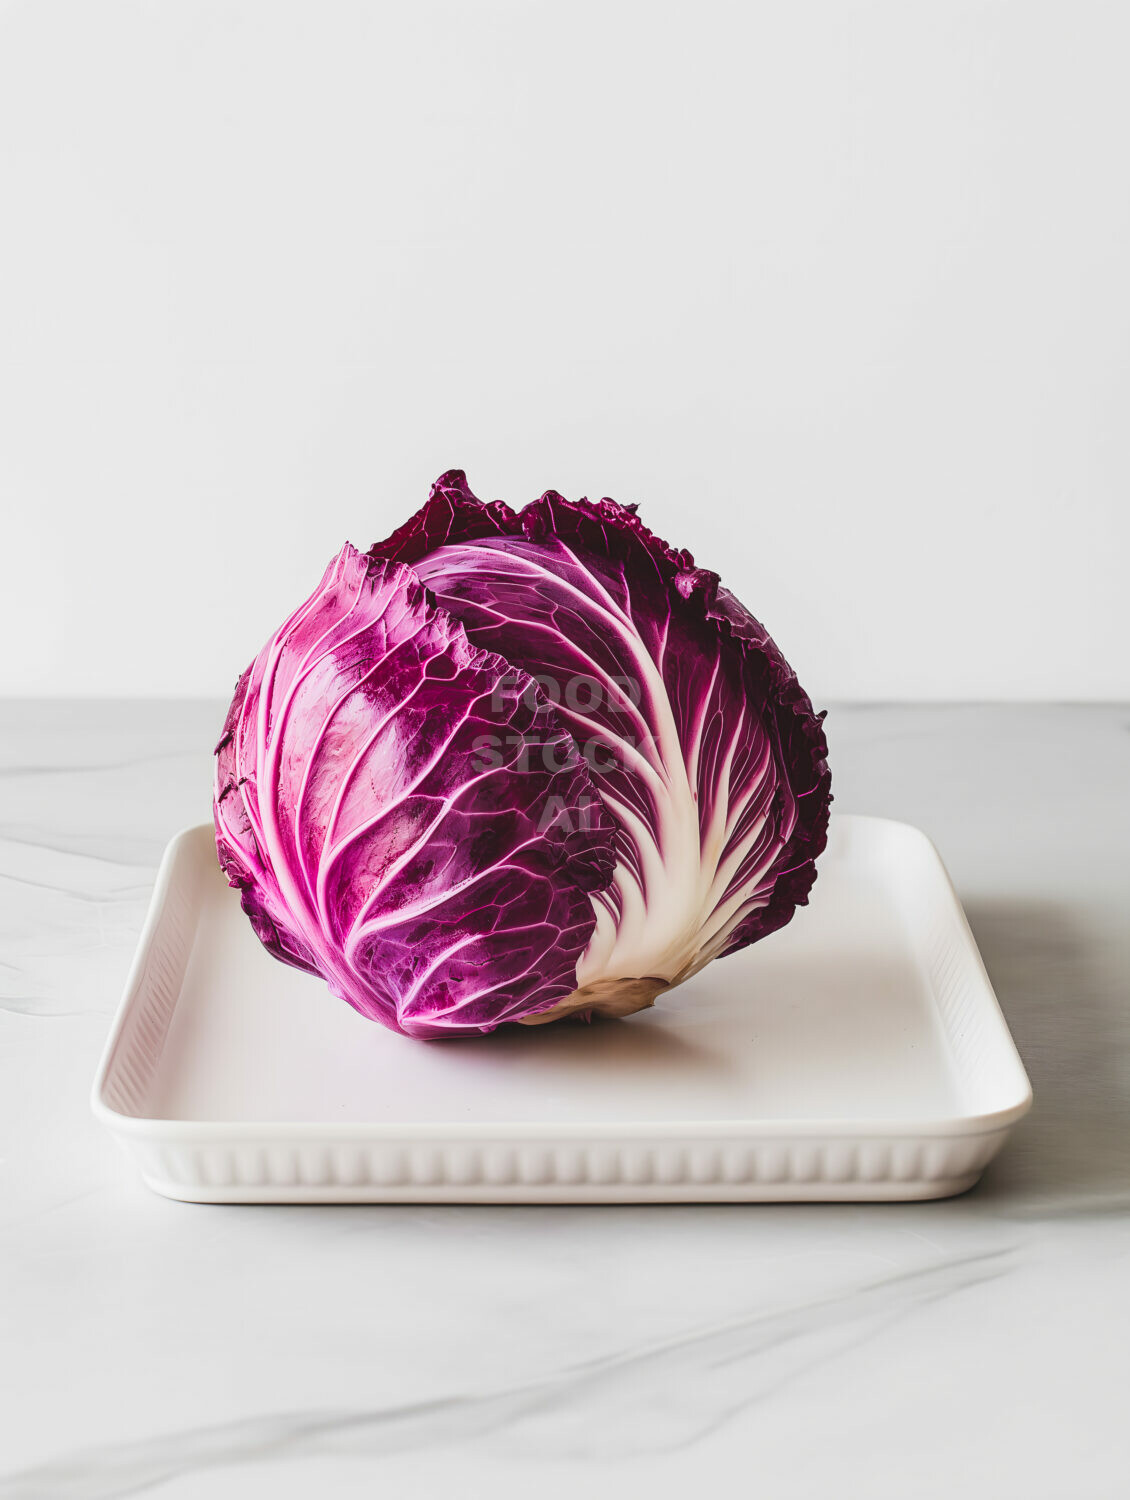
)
(745, 1130)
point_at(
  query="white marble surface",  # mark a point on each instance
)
(978, 1346)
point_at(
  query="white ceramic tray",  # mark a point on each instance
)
(857, 1054)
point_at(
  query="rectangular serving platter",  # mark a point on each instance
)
(858, 1054)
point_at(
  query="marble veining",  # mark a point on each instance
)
(977, 1345)
(718, 1371)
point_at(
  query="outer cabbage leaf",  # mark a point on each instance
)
(437, 886)
(703, 746)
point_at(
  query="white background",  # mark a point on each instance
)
(840, 293)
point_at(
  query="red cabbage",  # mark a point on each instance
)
(508, 766)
